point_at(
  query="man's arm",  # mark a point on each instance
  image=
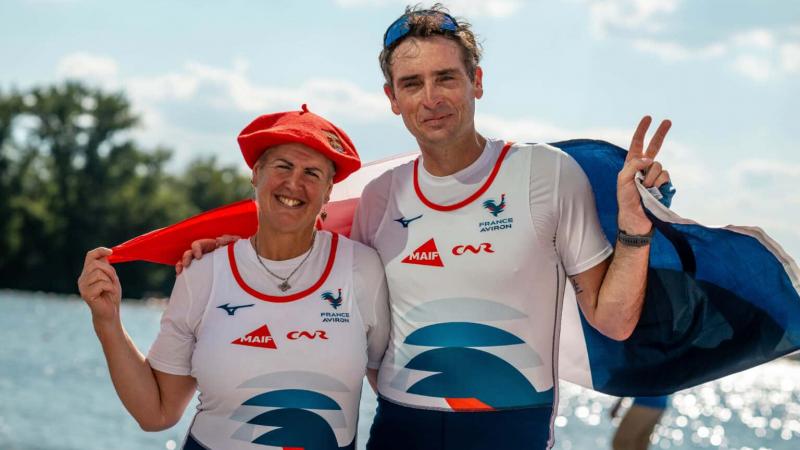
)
(611, 294)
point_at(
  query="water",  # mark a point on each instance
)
(55, 393)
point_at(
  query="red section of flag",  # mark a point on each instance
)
(468, 404)
(257, 338)
(166, 245)
(426, 255)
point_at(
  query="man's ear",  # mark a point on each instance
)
(392, 99)
(477, 84)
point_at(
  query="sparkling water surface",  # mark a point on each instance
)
(55, 393)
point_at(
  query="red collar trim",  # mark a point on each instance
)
(285, 298)
(469, 199)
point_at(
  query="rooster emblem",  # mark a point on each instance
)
(336, 302)
(495, 208)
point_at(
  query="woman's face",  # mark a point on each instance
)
(291, 182)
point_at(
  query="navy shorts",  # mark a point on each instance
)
(402, 428)
(192, 444)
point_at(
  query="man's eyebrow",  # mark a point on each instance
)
(450, 71)
(408, 78)
(438, 73)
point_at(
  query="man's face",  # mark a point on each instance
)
(432, 90)
(292, 182)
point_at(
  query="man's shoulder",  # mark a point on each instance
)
(381, 185)
(542, 152)
(362, 252)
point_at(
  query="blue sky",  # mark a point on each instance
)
(727, 72)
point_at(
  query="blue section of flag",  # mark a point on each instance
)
(717, 301)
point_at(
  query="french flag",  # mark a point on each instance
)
(719, 299)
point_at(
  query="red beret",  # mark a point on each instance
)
(302, 127)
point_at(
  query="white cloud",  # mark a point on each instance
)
(790, 57)
(757, 54)
(640, 15)
(769, 175)
(86, 66)
(754, 67)
(207, 92)
(672, 51)
(757, 38)
(461, 8)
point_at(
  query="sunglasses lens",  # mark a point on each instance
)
(400, 27)
(395, 31)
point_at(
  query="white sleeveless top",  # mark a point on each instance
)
(278, 371)
(476, 279)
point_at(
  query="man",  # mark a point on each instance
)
(476, 281)
(477, 240)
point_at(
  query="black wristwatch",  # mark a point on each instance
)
(634, 240)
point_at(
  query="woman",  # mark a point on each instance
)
(275, 331)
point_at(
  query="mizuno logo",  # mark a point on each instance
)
(295, 335)
(495, 208)
(426, 255)
(486, 247)
(231, 310)
(404, 222)
(259, 337)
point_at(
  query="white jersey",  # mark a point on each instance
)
(276, 370)
(476, 266)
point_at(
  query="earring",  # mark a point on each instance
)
(323, 214)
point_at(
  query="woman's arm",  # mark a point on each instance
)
(155, 399)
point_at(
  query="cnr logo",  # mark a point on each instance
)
(459, 250)
(295, 335)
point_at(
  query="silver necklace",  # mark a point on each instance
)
(284, 286)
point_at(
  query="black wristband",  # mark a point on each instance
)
(634, 240)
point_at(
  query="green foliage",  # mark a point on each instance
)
(72, 178)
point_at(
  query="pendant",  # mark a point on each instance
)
(284, 286)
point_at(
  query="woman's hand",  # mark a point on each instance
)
(100, 287)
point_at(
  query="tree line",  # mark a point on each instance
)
(72, 178)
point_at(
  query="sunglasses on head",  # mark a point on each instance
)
(399, 28)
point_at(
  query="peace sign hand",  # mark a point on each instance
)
(631, 216)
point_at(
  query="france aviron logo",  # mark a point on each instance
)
(335, 302)
(495, 208)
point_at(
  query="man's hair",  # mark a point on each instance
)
(427, 22)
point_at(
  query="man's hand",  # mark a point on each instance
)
(631, 214)
(200, 247)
